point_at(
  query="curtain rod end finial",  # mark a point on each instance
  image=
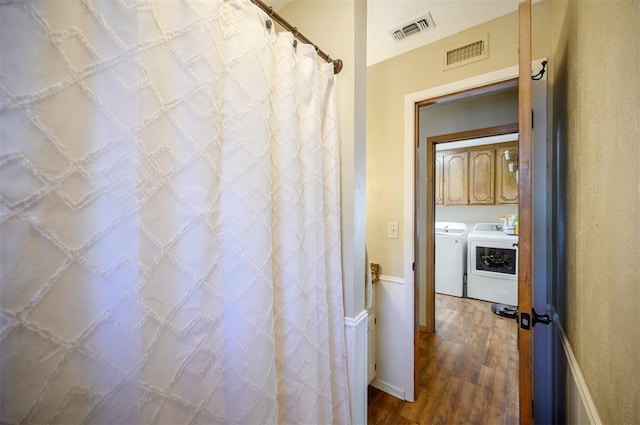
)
(337, 66)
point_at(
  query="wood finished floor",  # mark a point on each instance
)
(467, 371)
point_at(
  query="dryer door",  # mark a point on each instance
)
(495, 259)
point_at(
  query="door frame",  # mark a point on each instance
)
(411, 126)
(429, 236)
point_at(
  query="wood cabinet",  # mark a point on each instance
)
(439, 173)
(475, 176)
(506, 182)
(481, 177)
(456, 178)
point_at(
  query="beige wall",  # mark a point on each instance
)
(387, 84)
(596, 91)
(338, 27)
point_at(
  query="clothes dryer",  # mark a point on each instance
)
(492, 264)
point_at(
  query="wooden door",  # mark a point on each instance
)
(456, 178)
(506, 182)
(481, 177)
(525, 329)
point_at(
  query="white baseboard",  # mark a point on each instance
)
(356, 336)
(389, 389)
(580, 407)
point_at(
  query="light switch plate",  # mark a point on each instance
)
(393, 230)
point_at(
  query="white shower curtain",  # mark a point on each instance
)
(169, 217)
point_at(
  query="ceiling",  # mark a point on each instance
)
(450, 17)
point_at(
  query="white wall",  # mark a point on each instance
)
(474, 213)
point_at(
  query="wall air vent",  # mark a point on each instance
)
(414, 27)
(465, 53)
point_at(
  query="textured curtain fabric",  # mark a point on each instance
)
(169, 217)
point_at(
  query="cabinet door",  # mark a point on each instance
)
(507, 184)
(439, 171)
(456, 169)
(481, 177)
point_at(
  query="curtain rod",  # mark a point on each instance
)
(337, 63)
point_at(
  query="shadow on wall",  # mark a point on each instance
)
(559, 255)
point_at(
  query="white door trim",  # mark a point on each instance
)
(409, 197)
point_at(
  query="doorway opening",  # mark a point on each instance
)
(471, 195)
(409, 326)
(487, 116)
(470, 131)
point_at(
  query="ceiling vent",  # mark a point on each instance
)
(414, 27)
(465, 53)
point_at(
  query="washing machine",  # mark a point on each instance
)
(492, 264)
(451, 254)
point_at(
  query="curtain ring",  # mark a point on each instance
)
(268, 24)
(317, 48)
(295, 31)
(271, 11)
